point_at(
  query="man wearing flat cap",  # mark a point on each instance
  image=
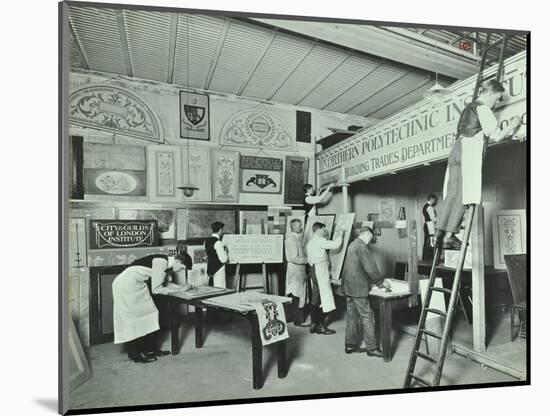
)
(216, 256)
(359, 274)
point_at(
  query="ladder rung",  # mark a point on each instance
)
(421, 380)
(436, 311)
(432, 334)
(441, 289)
(425, 356)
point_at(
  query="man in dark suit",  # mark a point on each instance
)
(360, 272)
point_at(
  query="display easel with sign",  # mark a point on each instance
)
(254, 249)
(241, 277)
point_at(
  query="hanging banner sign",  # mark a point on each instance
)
(123, 234)
(423, 133)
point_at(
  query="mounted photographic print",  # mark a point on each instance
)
(225, 176)
(194, 116)
(373, 107)
(261, 175)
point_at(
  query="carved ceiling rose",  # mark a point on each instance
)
(114, 109)
(253, 128)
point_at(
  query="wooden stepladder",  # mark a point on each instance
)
(241, 277)
(410, 377)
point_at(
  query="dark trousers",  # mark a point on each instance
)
(315, 294)
(144, 344)
(297, 312)
(452, 209)
(360, 323)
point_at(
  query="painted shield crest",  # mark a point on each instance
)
(194, 114)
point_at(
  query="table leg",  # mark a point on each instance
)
(281, 359)
(174, 323)
(257, 376)
(198, 327)
(385, 328)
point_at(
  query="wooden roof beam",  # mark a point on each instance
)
(414, 50)
(124, 42)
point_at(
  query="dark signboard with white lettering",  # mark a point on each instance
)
(123, 233)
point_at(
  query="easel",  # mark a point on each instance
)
(241, 277)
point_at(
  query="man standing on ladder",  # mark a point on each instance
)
(477, 124)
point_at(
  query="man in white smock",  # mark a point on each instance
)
(296, 278)
(135, 316)
(477, 125)
(322, 299)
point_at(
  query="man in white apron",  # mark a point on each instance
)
(135, 316)
(296, 279)
(322, 299)
(477, 124)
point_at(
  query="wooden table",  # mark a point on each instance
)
(231, 303)
(386, 302)
(193, 299)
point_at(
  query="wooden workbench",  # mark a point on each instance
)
(385, 303)
(229, 302)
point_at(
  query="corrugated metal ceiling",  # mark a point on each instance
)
(221, 54)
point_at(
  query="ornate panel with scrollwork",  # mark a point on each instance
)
(114, 109)
(258, 129)
(509, 234)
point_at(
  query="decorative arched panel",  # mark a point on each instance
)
(258, 129)
(114, 109)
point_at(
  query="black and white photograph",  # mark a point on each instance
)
(399, 153)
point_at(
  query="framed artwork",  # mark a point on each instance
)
(194, 116)
(388, 209)
(225, 176)
(509, 234)
(164, 173)
(261, 175)
(166, 219)
(115, 170)
(199, 173)
(195, 223)
(276, 219)
(135, 98)
(253, 222)
(296, 176)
